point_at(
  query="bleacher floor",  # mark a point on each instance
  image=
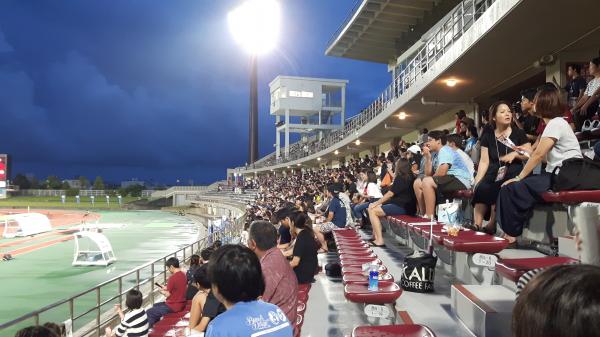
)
(329, 314)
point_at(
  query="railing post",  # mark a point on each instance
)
(71, 309)
(152, 283)
(137, 279)
(98, 311)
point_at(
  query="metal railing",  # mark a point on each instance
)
(90, 321)
(452, 27)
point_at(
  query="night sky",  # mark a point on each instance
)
(154, 90)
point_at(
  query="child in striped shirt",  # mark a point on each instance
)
(135, 322)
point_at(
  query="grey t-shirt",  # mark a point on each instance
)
(566, 145)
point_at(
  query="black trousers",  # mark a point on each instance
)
(516, 201)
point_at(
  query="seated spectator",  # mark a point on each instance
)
(597, 151)
(561, 301)
(174, 292)
(587, 105)
(336, 216)
(35, 331)
(58, 329)
(135, 322)
(399, 200)
(205, 255)
(237, 282)
(575, 86)
(194, 264)
(472, 145)
(283, 217)
(189, 275)
(281, 284)
(304, 257)
(429, 153)
(205, 305)
(519, 195)
(452, 173)
(526, 121)
(373, 194)
(413, 155)
(497, 164)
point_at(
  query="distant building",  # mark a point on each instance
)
(125, 184)
(74, 183)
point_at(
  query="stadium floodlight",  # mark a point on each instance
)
(255, 25)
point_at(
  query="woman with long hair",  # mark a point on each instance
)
(304, 257)
(399, 200)
(497, 163)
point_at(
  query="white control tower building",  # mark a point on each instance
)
(308, 106)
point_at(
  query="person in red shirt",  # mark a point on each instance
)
(174, 293)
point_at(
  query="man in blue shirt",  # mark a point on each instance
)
(237, 282)
(335, 213)
(448, 174)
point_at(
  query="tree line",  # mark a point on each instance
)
(53, 182)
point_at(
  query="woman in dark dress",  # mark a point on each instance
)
(304, 257)
(497, 164)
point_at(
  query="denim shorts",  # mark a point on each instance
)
(393, 209)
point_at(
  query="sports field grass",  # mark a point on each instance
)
(41, 277)
(70, 202)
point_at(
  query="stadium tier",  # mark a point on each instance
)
(463, 201)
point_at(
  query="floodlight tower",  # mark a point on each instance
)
(255, 26)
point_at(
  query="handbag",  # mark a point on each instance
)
(418, 272)
(576, 174)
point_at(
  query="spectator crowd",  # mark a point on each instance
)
(507, 161)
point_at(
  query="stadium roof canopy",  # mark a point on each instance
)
(381, 30)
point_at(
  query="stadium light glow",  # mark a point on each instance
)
(255, 25)
(402, 115)
(336, 152)
(451, 82)
(319, 159)
(357, 142)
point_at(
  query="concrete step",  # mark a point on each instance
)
(567, 247)
(485, 310)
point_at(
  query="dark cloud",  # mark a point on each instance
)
(150, 90)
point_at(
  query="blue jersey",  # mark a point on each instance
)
(250, 319)
(339, 212)
(458, 167)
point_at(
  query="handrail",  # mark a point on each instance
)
(453, 26)
(226, 233)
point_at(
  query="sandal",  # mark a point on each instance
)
(373, 244)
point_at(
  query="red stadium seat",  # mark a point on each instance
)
(388, 292)
(513, 269)
(405, 330)
(359, 261)
(358, 269)
(572, 197)
(475, 242)
(361, 278)
(462, 194)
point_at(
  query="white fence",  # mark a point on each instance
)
(83, 193)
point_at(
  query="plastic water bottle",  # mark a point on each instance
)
(374, 277)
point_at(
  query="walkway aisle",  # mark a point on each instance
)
(329, 314)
